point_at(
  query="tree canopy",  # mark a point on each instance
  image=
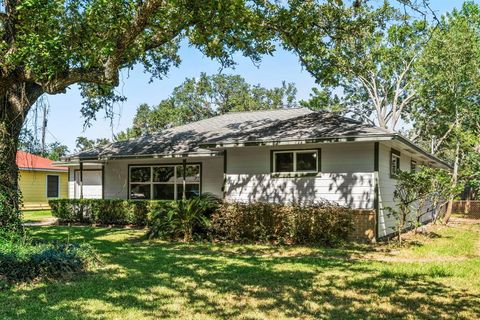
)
(367, 72)
(205, 97)
(447, 113)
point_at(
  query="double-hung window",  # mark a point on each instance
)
(295, 161)
(164, 182)
(394, 163)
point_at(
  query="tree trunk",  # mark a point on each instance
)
(448, 213)
(14, 106)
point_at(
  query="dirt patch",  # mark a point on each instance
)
(52, 221)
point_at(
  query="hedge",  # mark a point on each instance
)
(25, 261)
(265, 222)
(106, 212)
(325, 223)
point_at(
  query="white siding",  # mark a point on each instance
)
(71, 183)
(351, 189)
(116, 175)
(92, 182)
(386, 188)
(346, 178)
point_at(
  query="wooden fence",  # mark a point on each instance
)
(467, 207)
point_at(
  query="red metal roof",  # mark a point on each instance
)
(28, 161)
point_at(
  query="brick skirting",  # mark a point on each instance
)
(364, 226)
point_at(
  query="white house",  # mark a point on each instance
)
(281, 156)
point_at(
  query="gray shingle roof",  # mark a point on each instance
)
(271, 125)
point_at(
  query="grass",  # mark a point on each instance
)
(435, 277)
(36, 216)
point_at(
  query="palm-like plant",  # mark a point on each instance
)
(191, 212)
(182, 217)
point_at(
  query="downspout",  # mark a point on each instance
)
(184, 194)
(224, 174)
(376, 204)
(103, 181)
(81, 180)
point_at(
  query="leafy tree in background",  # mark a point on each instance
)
(367, 74)
(29, 143)
(83, 143)
(205, 97)
(448, 83)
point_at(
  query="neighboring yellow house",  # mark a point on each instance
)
(40, 181)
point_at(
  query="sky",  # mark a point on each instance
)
(65, 122)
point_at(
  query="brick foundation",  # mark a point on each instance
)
(364, 226)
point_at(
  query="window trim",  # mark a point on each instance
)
(151, 183)
(318, 153)
(58, 186)
(396, 153)
(413, 165)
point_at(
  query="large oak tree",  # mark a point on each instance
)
(48, 45)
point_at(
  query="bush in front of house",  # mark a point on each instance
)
(105, 211)
(23, 259)
(185, 218)
(202, 216)
(325, 223)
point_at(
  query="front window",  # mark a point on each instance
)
(165, 182)
(394, 163)
(295, 161)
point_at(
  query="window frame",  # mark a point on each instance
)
(58, 185)
(273, 164)
(151, 183)
(395, 153)
(413, 166)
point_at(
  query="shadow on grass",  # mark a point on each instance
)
(215, 281)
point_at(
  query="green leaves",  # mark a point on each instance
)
(208, 96)
(448, 85)
(360, 55)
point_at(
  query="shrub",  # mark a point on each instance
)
(22, 260)
(324, 223)
(104, 211)
(182, 218)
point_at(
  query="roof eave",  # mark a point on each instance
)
(404, 140)
(102, 159)
(333, 139)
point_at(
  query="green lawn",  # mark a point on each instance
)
(36, 216)
(436, 277)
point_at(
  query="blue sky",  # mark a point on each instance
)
(65, 122)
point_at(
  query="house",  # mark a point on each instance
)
(40, 181)
(281, 156)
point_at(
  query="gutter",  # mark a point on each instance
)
(103, 159)
(420, 150)
(234, 144)
(41, 169)
(365, 138)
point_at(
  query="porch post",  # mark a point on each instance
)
(184, 193)
(81, 180)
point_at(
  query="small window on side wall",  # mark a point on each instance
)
(394, 163)
(295, 161)
(53, 186)
(413, 166)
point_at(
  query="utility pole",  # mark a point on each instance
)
(44, 127)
